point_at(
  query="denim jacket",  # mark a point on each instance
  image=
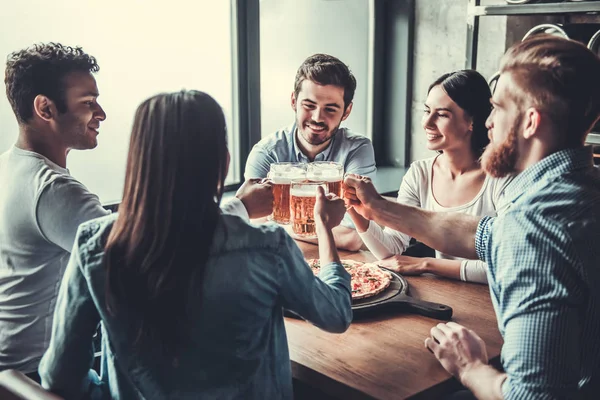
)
(239, 346)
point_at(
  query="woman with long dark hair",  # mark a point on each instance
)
(190, 298)
(457, 106)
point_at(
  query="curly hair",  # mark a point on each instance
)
(40, 70)
(326, 70)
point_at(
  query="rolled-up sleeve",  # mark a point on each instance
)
(234, 206)
(482, 237)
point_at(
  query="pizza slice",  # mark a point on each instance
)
(367, 279)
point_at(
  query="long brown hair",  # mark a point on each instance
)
(160, 242)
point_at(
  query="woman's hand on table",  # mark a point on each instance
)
(405, 265)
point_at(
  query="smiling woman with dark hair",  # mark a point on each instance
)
(190, 298)
(457, 106)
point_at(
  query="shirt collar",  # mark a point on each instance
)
(555, 164)
(322, 156)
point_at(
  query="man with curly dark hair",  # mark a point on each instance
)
(53, 94)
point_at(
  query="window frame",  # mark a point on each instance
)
(390, 81)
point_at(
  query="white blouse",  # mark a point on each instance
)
(416, 190)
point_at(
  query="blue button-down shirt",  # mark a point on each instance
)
(238, 347)
(353, 151)
(543, 254)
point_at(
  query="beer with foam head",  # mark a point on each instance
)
(281, 175)
(303, 195)
(327, 171)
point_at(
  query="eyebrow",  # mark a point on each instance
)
(336, 105)
(440, 109)
(89, 94)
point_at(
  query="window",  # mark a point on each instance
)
(143, 47)
(292, 30)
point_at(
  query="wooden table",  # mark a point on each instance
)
(384, 357)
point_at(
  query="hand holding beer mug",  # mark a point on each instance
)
(257, 198)
(328, 171)
(361, 195)
(281, 175)
(329, 209)
(303, 194)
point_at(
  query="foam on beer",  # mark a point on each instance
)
(284, 176)
(304, 192)
(327, 175)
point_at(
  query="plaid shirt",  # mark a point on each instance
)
(543, 253)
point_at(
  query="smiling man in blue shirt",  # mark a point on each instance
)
(322, 99)
(543, 248)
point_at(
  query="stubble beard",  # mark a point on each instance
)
(317, 141)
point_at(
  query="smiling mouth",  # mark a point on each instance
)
(433, 137)
(316, 128)
(95, 130)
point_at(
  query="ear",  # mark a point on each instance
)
(347, 112)
(532, 120)
(44, 108)
(294, 101)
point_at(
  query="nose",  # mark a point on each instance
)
(100, 115)
(317, 115)
(427, 120)
(489, 120)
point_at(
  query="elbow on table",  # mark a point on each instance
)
(340, 322)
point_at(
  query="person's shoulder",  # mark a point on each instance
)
(499, 183)
(421, 167)
(278, 139)
(34, 167)
(355, 138)
(93, 234)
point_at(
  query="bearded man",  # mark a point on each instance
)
(321, 99)
(543, 248)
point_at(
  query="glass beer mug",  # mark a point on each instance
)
(327, 171)
(281, 175)
(303, 195)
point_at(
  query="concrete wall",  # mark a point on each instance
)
(440, 47)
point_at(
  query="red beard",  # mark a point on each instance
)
(501, 161)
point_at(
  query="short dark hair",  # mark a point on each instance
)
(559, 77)
(470, 91)
(40, 69)
(326, 70)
